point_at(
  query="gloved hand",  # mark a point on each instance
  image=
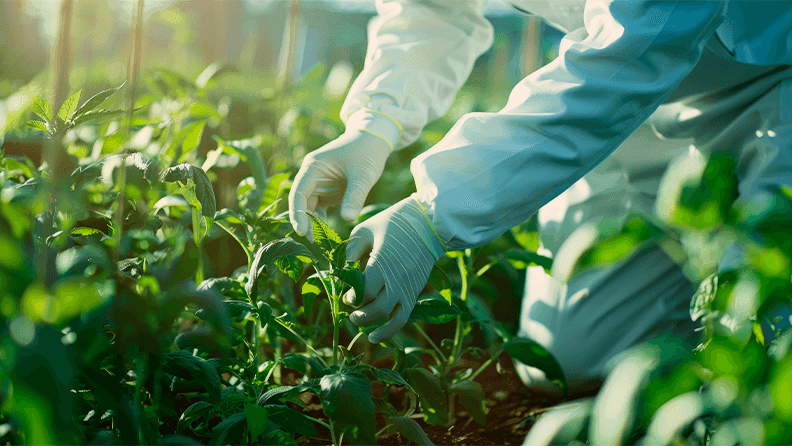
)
(341, 172)
(404, 248)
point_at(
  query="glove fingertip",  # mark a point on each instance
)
(350, 213)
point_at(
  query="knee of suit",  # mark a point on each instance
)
(581, 369)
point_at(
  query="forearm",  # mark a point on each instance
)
(419, 55)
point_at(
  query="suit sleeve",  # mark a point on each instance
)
(494, 170)
(419, 55)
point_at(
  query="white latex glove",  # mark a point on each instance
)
(404, 248)
(341, 172)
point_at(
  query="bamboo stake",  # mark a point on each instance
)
(133, 70)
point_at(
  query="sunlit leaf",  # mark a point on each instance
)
(225, 286)
(191, 136)
(203, 186)
(673, 417)
(213, 71)
(529, 258)
(96, 100)
(39, 125)
(69, 106)
(96, 114)
(43, 108)
(440, 282)
(530, 353)
(560, 425)
(323, 234)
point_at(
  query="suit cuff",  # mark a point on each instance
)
(375, 123)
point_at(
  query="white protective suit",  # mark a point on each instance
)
(635, 82)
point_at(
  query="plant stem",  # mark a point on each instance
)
(140, 374)
(269, 374)
(355, 339)
(451, 409)
(196, 224)
(276, 371)
(334, 308)
(429, 340)
(382, 430)
(457, 348)
(297, 335)
(463, 272)
(336, 326)
(481, 368)
(332, 434)
(317, 421)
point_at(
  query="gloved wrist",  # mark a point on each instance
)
(377, 124)
(416, 212)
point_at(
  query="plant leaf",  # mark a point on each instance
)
(248, 151)
(95, 101)
(193, 413)
(256, 420)
(324, 235)
(229, 216)
(230, 430)
(39, 125)
(203, 186)
(238, 309)
(532, 354)
(306, 365)
(43, 108)
(95, 114)
(347, 399)
(471, 395)
(412, 430)
(440, 282)
(354, 278)
(529, 258)
(225, 286)
(431, 393)
(283, 392)
(434, 310)
(177, 440)
(285, 247)
(192, 135)
(68, 106)
(184, 365)
(290, 420)
(388, 376)
(213, 71)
